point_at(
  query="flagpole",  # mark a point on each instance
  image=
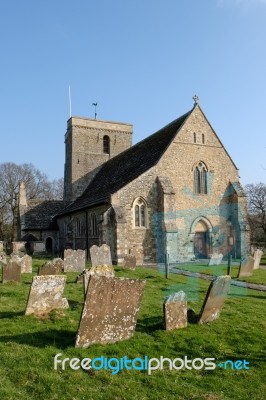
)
(69, 98)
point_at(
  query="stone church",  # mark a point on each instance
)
(175, 194)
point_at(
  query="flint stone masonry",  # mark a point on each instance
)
(46, 294)
(74, 260)
(175, 311)
(214, 300)
(25, 262)
(11, 272)
(18, 247)
(54, 267)
(110, 310)
(130, 262)
(246, 267)
(216, 259)
(100, 255)
(257, 257)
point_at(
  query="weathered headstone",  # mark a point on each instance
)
(129, 262)
(74, 260)
(38, 248)
(216, 259)
(110, 310)
(11, 272)
(100, 255)
(18, 247)
(3, 259)
(99, 270)
(175, 311)
(246, 267)
(54, 267)
(214, 300)
(46, 294)
(25, 262)
(257, 257)
(1, 247)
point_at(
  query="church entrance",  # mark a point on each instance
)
(201, 241)
(49, 245)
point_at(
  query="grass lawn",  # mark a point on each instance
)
(28, 346)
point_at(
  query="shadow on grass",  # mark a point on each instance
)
(10, 314)
(57, 338)
(150, 324)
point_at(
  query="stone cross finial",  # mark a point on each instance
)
(196, 99)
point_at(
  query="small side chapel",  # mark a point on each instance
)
(175, 193)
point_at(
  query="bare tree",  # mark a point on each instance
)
(257, 210)
(37, 186)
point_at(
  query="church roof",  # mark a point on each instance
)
(40, 213)
(126, 166)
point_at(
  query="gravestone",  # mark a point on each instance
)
(175, 311)
(74, 260)
(54, 267)
(1, 247)
(129, 262)
(99, 270)
(110, 310)
(100, 255)
(25, 262)
(3, 259)
(46, 294)
(216, 259)
(18, 247)
(257, 257)
(11, 272)
(246, 267)
(214, 300)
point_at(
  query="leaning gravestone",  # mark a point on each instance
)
(46, 294)
(110, 310)
(11, 272)
(214, 300)
(100, 270)
(74, 260)
(129, 262)
(54, 267)
(257, 257)
(100, 255)
(175, 311)
(246, 267)
(216, 259)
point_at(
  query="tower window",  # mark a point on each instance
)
(200, 179)
(195, 137)
(203, 138)
(106, 144)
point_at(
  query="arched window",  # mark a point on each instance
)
(140, 213)
(195, 137)
(106, 144)
(200, 179)
(78, 228)
(203, 138)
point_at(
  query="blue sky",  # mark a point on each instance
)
(142, 61)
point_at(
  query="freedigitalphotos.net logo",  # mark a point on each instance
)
(144, 364)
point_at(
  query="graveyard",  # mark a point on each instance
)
(29, 341)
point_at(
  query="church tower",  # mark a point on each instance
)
(88, 144)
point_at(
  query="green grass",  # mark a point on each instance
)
(28, 346)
